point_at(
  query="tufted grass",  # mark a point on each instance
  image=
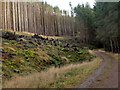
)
(68, 76)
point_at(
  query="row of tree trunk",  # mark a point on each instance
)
(34, 17)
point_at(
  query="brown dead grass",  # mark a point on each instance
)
(92, 52)
(57, 37)
(66, 77)
(49, 37)
(115, 55)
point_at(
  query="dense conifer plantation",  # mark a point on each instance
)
(99, 25)
(35, 17)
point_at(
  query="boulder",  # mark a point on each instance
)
(9, 36)
(38, 37)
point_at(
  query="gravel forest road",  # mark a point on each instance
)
(106, 76)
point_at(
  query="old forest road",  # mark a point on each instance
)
(106, 76)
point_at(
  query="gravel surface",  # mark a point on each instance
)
(104, 77)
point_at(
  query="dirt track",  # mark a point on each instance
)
(104, 77)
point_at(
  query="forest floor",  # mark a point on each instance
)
(106, 76)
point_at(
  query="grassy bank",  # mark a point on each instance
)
(69, 76)
(24, 54)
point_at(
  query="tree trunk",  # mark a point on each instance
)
(8, 15)
(25, 17)
(22, 17)
(19, 16)
(5, 16)
(111, 44)
(34, 18)
(118, 46)
(14, 16)
(0, 15)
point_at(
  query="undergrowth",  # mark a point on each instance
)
(25, 54)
